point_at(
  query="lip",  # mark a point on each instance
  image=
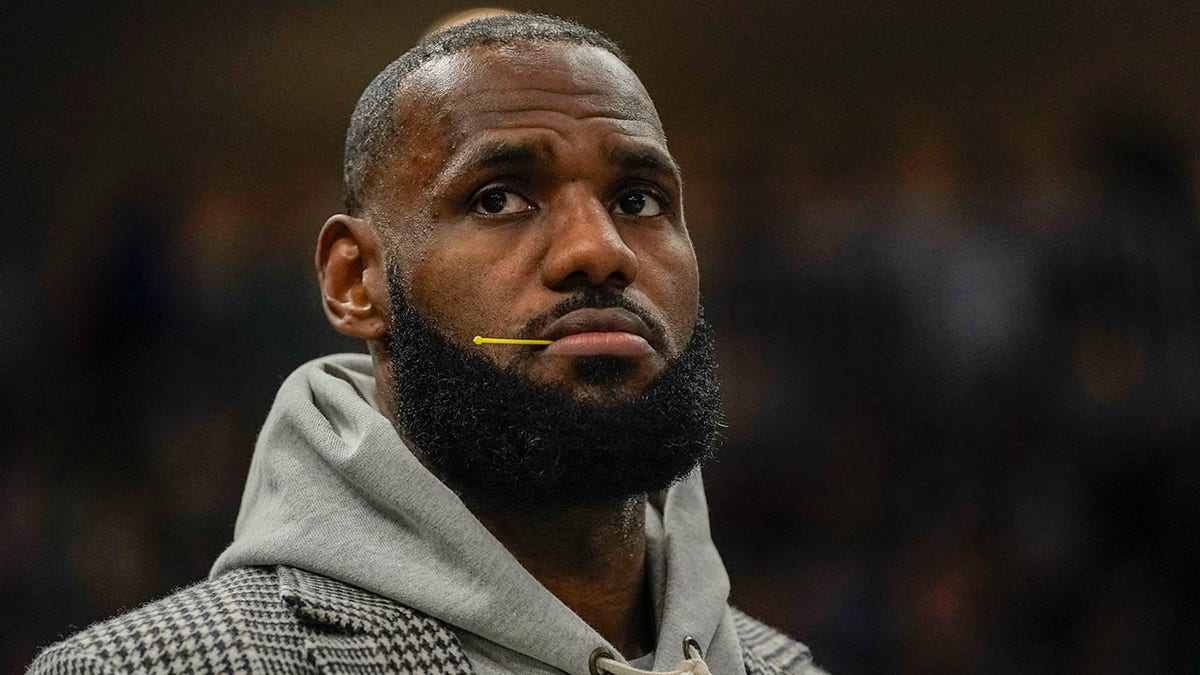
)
(595, 331)
(596, 320)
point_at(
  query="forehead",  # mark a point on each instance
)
(544, 86)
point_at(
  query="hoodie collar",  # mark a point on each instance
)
(332, 489)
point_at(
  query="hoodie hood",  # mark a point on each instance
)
(332, 489)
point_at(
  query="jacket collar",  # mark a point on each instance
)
(371, 632)
(319, 599)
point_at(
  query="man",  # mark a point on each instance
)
(452, 504)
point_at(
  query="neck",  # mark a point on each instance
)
(593, 558)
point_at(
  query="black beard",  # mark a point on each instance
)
(499, 439)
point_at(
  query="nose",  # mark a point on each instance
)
(584, 245)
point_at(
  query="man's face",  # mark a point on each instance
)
(534, 175)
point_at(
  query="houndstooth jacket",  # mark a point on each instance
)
(287, 620)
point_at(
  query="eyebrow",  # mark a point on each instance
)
(645, 161)
(505, 155)
(498, 155)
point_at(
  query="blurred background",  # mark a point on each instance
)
(951, 251)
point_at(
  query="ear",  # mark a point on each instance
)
(351, 273)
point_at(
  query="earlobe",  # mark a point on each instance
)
(351, 275)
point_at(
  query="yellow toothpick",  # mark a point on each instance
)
(480, 340)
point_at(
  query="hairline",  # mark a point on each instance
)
(375, 129)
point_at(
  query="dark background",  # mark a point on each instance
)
(950, 249)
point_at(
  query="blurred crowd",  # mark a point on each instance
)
(966, 423)
(960, 351)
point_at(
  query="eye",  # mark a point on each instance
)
(498, 201)
(638, 203)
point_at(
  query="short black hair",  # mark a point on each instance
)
(372, 125)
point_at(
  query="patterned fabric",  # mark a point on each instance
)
(286, 620)
(767, 651)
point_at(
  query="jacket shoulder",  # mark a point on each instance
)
(767, 651)
(262, 620)
(205, 628)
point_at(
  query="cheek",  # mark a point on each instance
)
(446, 291)
(687, 302)
(674, 285)
(464, 294)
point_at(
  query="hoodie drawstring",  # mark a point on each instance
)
(603, 663)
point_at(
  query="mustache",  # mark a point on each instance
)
(593, 298)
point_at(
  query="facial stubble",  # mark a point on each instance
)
(497, 438)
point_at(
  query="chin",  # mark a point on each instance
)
(600, 379)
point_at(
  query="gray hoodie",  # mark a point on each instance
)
(332, 489)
